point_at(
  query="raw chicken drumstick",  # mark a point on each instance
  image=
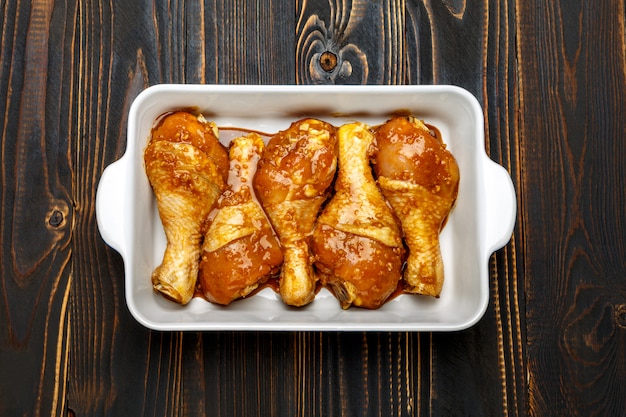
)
(240, 250)
(357, 243)
(187, 168)
(419, 178)
(292, 181)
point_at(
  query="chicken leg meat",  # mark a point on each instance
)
(357, 242)
(187, 168)
(240, 250)
(292, 181)
(419, 178)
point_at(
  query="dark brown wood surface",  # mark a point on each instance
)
(551, 77)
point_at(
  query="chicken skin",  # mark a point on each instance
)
(419, 178)
(357, 242)
(292, 181)
(187, 168)
(240, 250)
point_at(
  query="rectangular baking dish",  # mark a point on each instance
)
(481, 222)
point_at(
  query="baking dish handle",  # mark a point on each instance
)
(110, 205)
(501, 206)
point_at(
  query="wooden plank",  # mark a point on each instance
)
(37, 215)
(247, 42)
(572, 76)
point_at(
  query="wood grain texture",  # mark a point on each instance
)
(551, 78)
(363, 39)
(572, 72)
(37, 215)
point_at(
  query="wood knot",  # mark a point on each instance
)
(56, 219)
(620, 315)
(328, 61)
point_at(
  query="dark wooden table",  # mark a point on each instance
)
(551, 78)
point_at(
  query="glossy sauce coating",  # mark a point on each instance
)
(407, 153)
(294, 166)
(240, 251)
(185, 127)
(372, 269)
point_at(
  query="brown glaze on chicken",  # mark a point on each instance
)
(292, 182)
(357, 243)
(419, 178)
(185, 165)
(240, 250)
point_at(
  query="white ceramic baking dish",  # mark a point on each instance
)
(481, 222)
